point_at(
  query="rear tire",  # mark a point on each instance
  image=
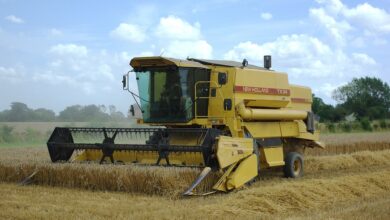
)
(293, 167)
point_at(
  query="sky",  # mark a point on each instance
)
(57, 53)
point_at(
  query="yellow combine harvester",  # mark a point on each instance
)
(223, 116)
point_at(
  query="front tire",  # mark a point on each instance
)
(293, 167)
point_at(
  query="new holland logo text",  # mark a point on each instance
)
(262, 90)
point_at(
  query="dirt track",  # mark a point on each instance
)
(342, 186)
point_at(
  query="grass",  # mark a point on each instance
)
(22, 144)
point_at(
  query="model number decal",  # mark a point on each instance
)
(262, 90)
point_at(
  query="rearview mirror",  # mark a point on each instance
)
(132, 111)
(125, 81)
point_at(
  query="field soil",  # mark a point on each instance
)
(348, 180)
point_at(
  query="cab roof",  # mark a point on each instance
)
(137, 62)
(227, 63)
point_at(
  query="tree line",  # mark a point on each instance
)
(366, 98)
(20, 112)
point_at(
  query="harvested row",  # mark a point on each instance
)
(347, 161)
(347, 148)
(283, 198)
(347, 138)
(352, 195)
(157, 180)
(166, 181)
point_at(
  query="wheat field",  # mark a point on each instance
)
(163, 181)
(347, 180)
(341, 186)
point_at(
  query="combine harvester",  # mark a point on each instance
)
(223, 116)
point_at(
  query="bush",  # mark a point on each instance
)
(6, 135)
(31, 135)
(331, 128)
(382, 124)
(346, 127)
(366, 125)
(356, 126)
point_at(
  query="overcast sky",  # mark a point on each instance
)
(56, 53)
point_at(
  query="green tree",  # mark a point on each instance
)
(326, 112)
(70, 113)
(89, 113)
(367, 97)
(93, 113)
(116, 115)
(83, 113)
(42, 114)
(18, 112)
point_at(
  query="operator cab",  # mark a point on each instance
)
(166, 89)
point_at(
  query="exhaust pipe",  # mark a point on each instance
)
(267, 62)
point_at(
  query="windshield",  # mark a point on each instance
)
(167, 93)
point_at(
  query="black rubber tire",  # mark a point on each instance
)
(293, 167)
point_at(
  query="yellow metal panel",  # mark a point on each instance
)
(245, 171)
(222, 92)
(221, 183)
(185, 139)
(263, 129)
(269, 114)
(273, 156)
(309, 136)
(145, 157)
(261, 88)
(302, 127)
(272, 129)
(301, 98)
(261, 78)
(231, 150)
(289, 129)
(269, 102)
